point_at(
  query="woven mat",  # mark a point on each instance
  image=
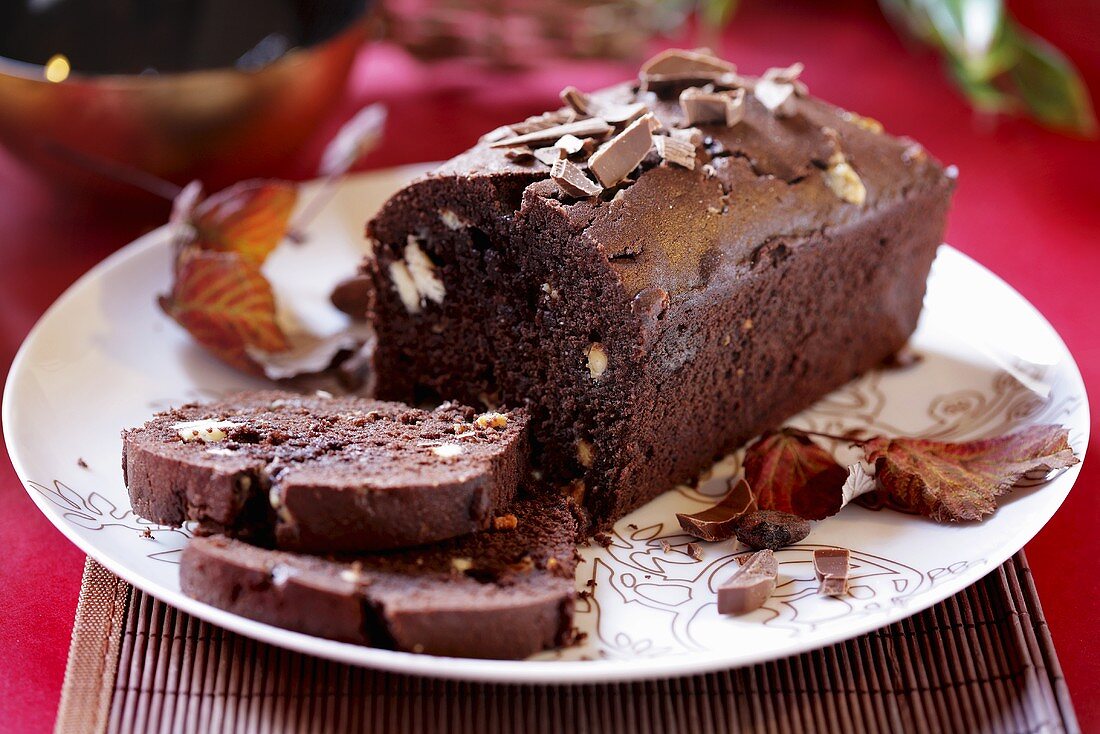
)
(982, 661)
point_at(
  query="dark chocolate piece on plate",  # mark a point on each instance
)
(352, 296)
(831, 566)
(750, 585)
(719, 522)
(771, 529)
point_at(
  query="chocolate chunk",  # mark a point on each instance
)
(695, 551)
(677, 152)
(619, 156)
(831, 566)
(720, 522)
(682, 65)
(702, 107)
(592, 127)
(771, 529)
(352, 296)
(578, 100)
(572, 180)
(750, 585)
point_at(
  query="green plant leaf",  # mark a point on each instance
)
(1051, 87)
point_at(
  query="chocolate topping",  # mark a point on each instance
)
(702, 107)
(572, 180)
(777, 97)
(831, 566)
(578, 100)
(591, 127)
(549, 156)
(750, 585)
(720, 521)
(619, 156)
(677, 152)
(677, 64)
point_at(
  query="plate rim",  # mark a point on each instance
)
(477, 669)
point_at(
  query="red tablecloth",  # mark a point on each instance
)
(1028, 207)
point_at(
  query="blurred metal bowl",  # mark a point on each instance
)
(219, 125)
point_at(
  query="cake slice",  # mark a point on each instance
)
(659, 270)
(502, 593)
(323, 473)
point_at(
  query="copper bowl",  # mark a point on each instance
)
(219, 125)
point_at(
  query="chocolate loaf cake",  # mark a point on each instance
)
(323, 473)
(504, 593)
(659, 270)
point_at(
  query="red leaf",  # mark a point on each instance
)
(226, 304)
(249, 218)
(788, 472)
(961, 481)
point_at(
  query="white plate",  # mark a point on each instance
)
(103, 357)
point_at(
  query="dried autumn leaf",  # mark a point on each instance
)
(249, 218)
(788, 472)
(961, 481)
(226, 304)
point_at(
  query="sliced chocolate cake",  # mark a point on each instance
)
(502, 593)
(660, 270)
(325, 474)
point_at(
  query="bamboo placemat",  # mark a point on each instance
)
(982, 661)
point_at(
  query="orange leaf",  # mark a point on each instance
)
(226, 304)
(788, 472)
(961, 481)
(249, 218)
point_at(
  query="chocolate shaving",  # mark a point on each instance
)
(571, 144)
(719, 522)
(831, 566)
(578, 100)
(750, 585)
(702, 107)
(500, 133)
(521, 154)
(788, 75)
(572, 180)
(543, 121)
(592, 127)
(621, 114)
(777, 97)
(682, 65)
(619, 156)
(549, 156)
(677, 152)
(692, 135)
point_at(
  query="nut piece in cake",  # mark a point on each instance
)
(597, 360)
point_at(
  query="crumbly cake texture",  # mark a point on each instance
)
(504, 593)
(325, 474)
(659, 270)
